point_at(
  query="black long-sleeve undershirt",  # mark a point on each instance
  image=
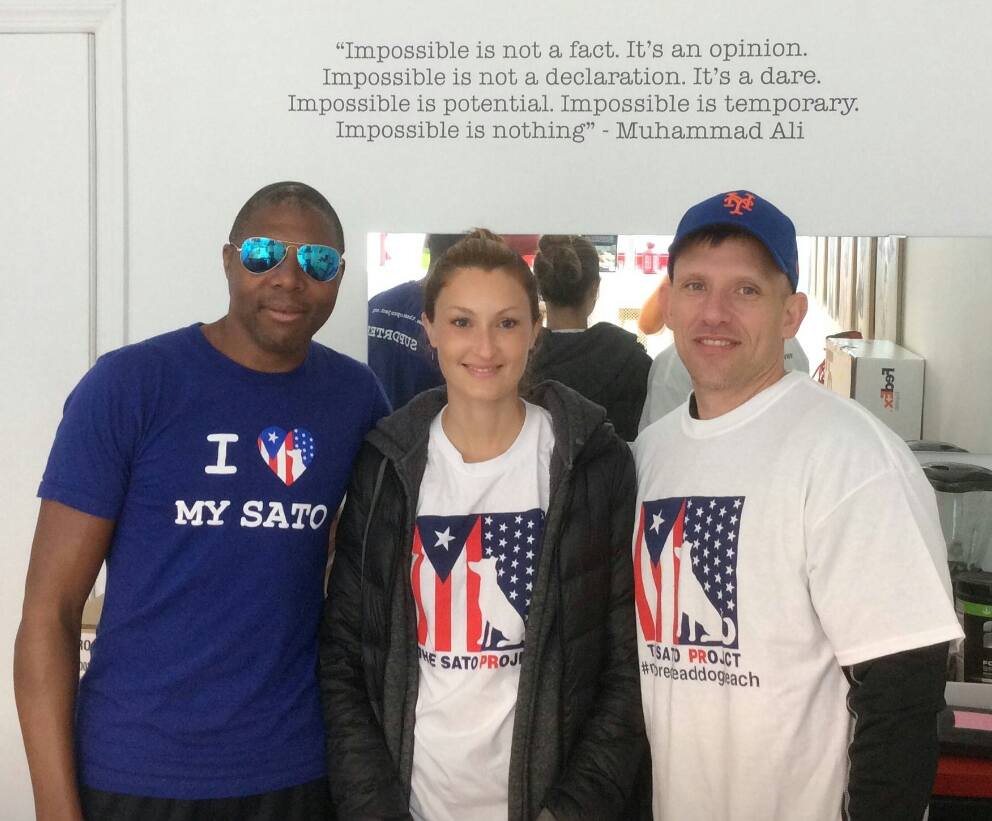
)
(895, 701)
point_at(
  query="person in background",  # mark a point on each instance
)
(399, 353)
(651, 319)
(206, 466)
(478, 655)
(791, 585)
(604, 363)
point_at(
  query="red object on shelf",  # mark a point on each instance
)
(649, 259)
(963, 777)
(383, 253)
(523, 244)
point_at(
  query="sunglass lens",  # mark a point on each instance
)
(320, 261)
(261, 254)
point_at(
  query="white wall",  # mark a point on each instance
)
(946, 318)
(45, 327)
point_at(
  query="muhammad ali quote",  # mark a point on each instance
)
(573, 92)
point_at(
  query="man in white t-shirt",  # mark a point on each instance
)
(791, 588)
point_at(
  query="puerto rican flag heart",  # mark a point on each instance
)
(287, 453)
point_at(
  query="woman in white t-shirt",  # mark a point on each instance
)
(478, 655)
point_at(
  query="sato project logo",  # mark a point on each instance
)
(888, 391)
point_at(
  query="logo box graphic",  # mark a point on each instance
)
(685, 570)
(472, 578)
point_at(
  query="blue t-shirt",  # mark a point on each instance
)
(223, 482)
(399, 352)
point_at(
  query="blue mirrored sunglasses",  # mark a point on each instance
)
(260, 255)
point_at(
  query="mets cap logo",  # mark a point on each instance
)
(737, 204)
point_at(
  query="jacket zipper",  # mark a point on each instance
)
(558, 499)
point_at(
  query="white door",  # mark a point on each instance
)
(46, 305)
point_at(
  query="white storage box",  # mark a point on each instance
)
(885, 378)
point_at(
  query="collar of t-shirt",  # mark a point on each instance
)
(696, 428)
(497, 465)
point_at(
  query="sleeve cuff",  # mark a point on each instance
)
(79, 500)
(856, 655)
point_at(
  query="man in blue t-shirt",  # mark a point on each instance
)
(399, 352)
(206, 467)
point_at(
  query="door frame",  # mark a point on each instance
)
(104, 21)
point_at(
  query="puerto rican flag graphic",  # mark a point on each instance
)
(472, 578)
(685, 570)
(287, 453)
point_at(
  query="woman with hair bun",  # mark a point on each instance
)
(478, 657)
(604, 363)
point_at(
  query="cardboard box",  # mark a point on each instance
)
(885, 378)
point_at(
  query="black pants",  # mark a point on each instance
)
(306, 802)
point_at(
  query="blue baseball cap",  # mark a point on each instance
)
(753, 214)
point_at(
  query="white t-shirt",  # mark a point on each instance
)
(475, 556)
(669, 383)
(774, 544)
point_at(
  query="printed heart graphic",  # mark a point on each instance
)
(288, 454)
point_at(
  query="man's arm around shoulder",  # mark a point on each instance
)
(69, 547)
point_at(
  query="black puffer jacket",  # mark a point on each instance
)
(578, 735)
(604, 363)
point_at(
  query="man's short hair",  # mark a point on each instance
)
(287, 191)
